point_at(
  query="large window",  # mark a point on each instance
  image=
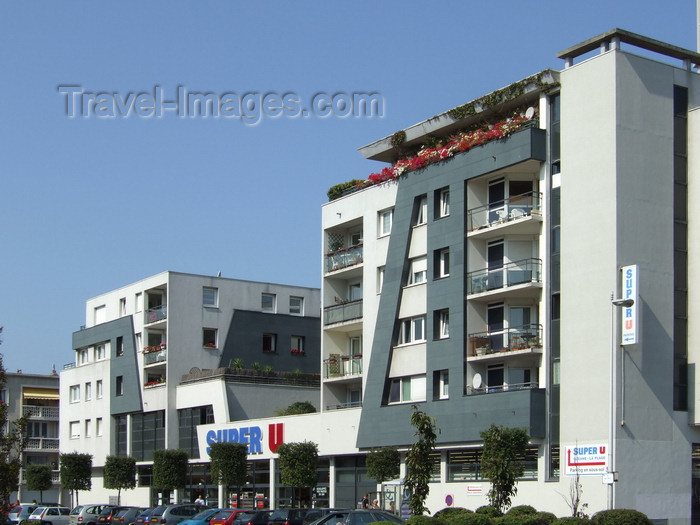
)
(443, 204)
(98, 388)
(147, 434)
(88, 391)
(189, 419)
(442, 263)
(269, 343)
(74, 393)
(268, 302)
(209, 337)
(296, 305)
(386, 219)
(441, 324)
(422, 216)
(82, 356)
(297, 344)
(419, 268)
(210, 297)
(407, 389)
(412, 330)
(100, 352)
(119, 390)
(74, 427)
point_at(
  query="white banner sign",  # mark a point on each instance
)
(630, 322)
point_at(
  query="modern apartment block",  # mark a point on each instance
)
(481, 279)
(158, 357)
(35, 396)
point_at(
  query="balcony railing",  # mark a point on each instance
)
(55, 476)
(35, 412)
(342, 366)
(157, 356)
(504, 211)
(339, 313)
(501, 388)
(157, 313)
(340, 406)
(344, 258)
(509, 339)
(510, 274)
(41, 444)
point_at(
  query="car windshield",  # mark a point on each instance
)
(204, 514)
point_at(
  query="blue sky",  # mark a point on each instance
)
(91, 204)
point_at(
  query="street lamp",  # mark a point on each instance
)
(614, 304)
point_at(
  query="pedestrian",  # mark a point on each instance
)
(199, 500)
(365, 502)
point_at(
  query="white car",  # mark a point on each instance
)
(51, 515)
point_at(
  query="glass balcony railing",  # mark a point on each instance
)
(504, 211)
(510, 274)
(157, 355)
(503, 387)
(157, 313)
(344, 258)
(336, 367)
(339, 313)
(508, 339)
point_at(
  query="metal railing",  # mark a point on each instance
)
(507, 339)
(339, 313)
(510, 274)
(157, 313)
(503, 211)
(37, 412)
(42, 444)
(55, 476)
(159, 356)
(505, 387)
(344, 258)
(340, 406)
(342, 366)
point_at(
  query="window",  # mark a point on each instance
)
(88, 428)
(209, 337)
(380, 278)
(98, 389)
(268, 302)
(120, 386)
(412, 330)
(139, 341)
(442, 263)
(405, 389)
(100, 314)
(122, 307)
(74, 427)
(441, 384)
(356, 238)
(296, 305)
(441, 324)
(120, 346)
(355, 346)
(88, 391)
(74, 393)
(138, 300)
(355, 291)
(464, 465)
(418, 271)
(3, 396)
(83, 356)
(100, 352)
(386, 218)
(422, 216)
(269, 342)
(210, 297)
(297, 344)
(98, 426)
(443, 207)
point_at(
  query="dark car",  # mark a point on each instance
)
(203, 518)
(317, 513)
(20, 512)
(357, 517)
(254, 517)
(108, 514)
(127, 516)
(87, 514)
(173, 514)
(287, 517)
(144, 517)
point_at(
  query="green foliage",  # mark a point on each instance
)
(448, 512)
(298, 464)
(423, 520)
(120, 473)
(469, 519)
(418, 463)
(76, 471)
(503, 447)
(39, 478)
(169, 469)
(229, 462)
(620, 517)
(238, 363)
(548, 516)
(522, 519)
(488, 510)
(398, 138)
(571, 521)
(337, 191)
(383, 464)
(300, 407)
(521, 510)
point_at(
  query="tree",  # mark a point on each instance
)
(229, 463)
(383, 464)
(120, 473)
(300, 407)
(501, 462)
(76, 472)
(298, 464)
(39, 477)
(12, 442)
(170, 469)
(419, 465)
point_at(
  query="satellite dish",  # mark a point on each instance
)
(530, 113)
(476, 381)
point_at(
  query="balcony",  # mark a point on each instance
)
(484, 389)
(155, 314)
(154, 383)
(521, 214)
(340, 367)
(154, 354)
(55, 476)
(341, 406)
(344, 258)
(340, 313)
(37, 412)
(520, 339)
(42, 443)
(497, 282)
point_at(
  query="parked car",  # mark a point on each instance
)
(203, 518)
(51, 515)
(357, 517)
(87, 514)
(254, 517)
(20, 512)
(287, 517)
(318, 513)
(173, 514)
(127, 516)
(108, 514)
(144, 517)
(226, 516)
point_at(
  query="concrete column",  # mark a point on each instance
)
(273, 488)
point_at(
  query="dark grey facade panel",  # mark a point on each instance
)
(125, 365)
(389, 425)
